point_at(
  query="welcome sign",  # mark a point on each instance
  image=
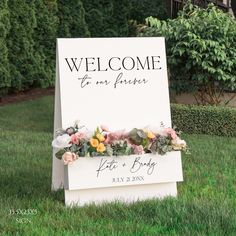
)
(120, 82)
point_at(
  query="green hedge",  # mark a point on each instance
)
(107, 18)
(140, 10)
(213, 120)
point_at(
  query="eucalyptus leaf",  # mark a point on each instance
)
(59, 154)
(141, 134)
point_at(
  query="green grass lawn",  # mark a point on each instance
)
(206, 204)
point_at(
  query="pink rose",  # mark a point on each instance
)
(104, 128)
(81, 135)
(111, 138)
(138, 149)
(171, 132)
(115, 136)
(68, 157)
(77, 136)
(74, 139)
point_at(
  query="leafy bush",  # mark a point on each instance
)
(28, 32)
(4, 64)
(107, 18)
(29, 28)
(47, 24)
(213, 120)
(201, 51)
(145, 8)
(23, 64)
(72, 19)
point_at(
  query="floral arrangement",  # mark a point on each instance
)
(77, 141)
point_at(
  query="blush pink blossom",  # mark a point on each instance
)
(115, 136)
(81, 135)
(68, 157)
(171, 132)
(138, 149)
(77, 136)
(74, 139)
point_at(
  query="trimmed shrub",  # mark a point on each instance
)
(213, 120)
(45, 41)
(29, 28)
(140, 10)
(120, 17)
(71, 19)
(5, 81)
(23, 65)
(107, 18)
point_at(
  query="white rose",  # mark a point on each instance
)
(62, 141)
(178, 144)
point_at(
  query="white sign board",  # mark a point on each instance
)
(118, 82)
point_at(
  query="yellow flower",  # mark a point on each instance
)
(101, 148)
(100, 137)
(150, 135)
(94, 142)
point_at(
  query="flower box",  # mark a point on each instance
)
(125, 178)
(106, 166)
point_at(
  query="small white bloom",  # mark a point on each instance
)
(178, 144)
(62, 141)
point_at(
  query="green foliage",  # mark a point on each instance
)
(212, 120)
(201, 51)
(45, 41)
(71, 19)
(110, 18)
(121, 148)
(137, 136)
(4, 64)
(28, 32)
(107, 18)
(59, 154)
(23, 64)
(161, 145)
(145, 8)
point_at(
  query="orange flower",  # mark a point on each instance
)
(150, 135)
(101, 148)
(100, 137)
(94, 142)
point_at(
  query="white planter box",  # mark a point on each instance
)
(125, 178)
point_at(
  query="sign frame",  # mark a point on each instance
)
(62, 176)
